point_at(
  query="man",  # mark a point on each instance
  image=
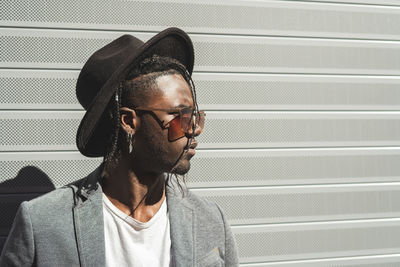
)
(142, 118)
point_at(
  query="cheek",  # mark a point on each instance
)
(181, 143)
(172, 149)
(152, 141)
(151, 136)
(153, 148)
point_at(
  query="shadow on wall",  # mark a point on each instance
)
(29, 179)
(29, 183)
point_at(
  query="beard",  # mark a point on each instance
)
(181, 167)
(158, 154)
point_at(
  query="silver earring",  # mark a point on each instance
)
(130, 142)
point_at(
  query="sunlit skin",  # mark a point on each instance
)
(143, 170)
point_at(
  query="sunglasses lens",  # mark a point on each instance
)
(186, 119)
(183, 124)
(200, 119)
(175, 130)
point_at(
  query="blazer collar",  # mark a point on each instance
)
(182, 225)
(88, 220)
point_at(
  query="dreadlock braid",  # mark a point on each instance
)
(113, 153)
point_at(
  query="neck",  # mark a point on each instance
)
(138, 195)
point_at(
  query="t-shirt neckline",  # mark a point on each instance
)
(162, 211)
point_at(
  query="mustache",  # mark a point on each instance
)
(191, 143)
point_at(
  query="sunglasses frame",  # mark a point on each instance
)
(164, 125)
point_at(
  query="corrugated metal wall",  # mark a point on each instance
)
(302, 142)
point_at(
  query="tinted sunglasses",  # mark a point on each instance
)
(186, 121)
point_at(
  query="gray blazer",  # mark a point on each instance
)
(65, 228)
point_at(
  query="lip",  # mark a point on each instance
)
(193, 145)
(191, 151)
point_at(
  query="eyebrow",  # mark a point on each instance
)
(183, 106)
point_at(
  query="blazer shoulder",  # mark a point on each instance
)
(64, 195)
(209, 210)
(59, 198)
(202, 207)
(199, 201)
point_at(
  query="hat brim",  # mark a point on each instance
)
(172, 42)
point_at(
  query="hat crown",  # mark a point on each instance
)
(107, 68)
(101, 65)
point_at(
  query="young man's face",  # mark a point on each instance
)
(153, 149)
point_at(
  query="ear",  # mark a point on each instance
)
(129, 120)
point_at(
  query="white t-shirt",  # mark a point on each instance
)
(130, 242)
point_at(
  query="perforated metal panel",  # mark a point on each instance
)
(224, 168)
(296, 92)
(293, 166)
(368, 2)
(45, 89)
(299, 203)
(290, 55)
(41, 172)
(237, 17)
(296, 129)
(64, 49)
(317, 240)
(289, 181)
(27, 89)
(56, 130)
(365, 261)
(68, 49)
(38, 130)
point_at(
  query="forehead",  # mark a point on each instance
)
(174, 92)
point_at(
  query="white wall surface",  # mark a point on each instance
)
(302, 140)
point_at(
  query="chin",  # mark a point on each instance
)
(182, 167)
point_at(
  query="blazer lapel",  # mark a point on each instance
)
(181, 217)
(89, 223)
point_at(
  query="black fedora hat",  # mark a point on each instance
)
(107, 67)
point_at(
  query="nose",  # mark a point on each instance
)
(192, 133)
(198, 130)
